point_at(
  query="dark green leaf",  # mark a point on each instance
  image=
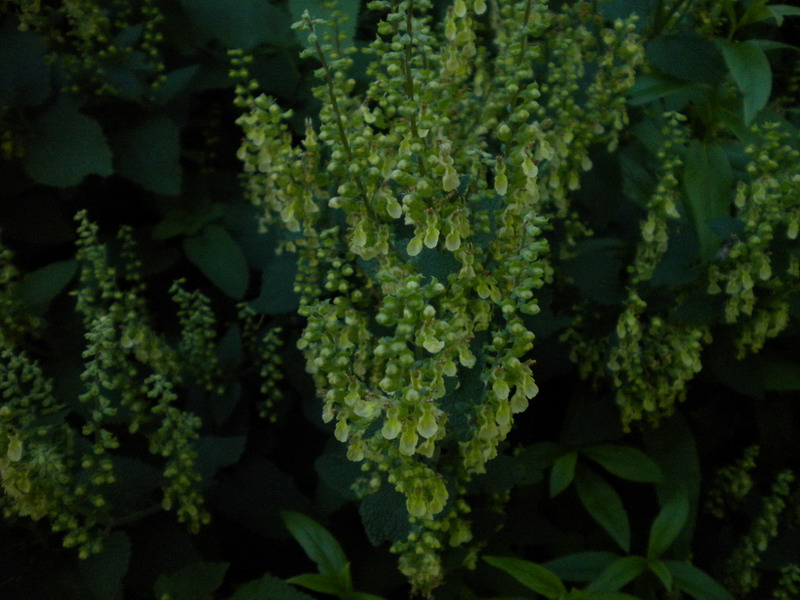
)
(24, 74)
(66, 146)
(215, 452)
(693, 581)
(581, 566)
(604, 505)
(148, 152)
(103, 572)
(687, 56)
(318, 544)
(779, 372)
(176, 81)
(39, 287)
(596, 270)
(618, 574)
(197, 581)
(240, 23)
(752, 73)
(220, 259)
(652, 86)
(668, 524)
(624, 461)
(535, 577)
(562, 473)
(660, 570)
(779, 11)
(269, 588)
(707, 178)
(318, 583)
(384, 516)
(363, 596)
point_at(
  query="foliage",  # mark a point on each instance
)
(460, 299)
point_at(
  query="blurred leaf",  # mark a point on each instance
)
(652, 86)
(318, 10)
(103, 572)
(318, 583)
(176, 81)
(694, 582)
(687, 56)
(220, 259)
(581, 566)
(24, 72)
(618, 574)
(660, 570)
(562, 473)
(66, 146)
(181, 222)
(668, 524)
(708, 180)
(240, 23)
(39, 287)
(215, 452)
(269, 587)
(624, 461)
(535, 577)
(779, 372)
(604, 505)
(318, 544)
(197, 581)
(148, 152)
(752, 73)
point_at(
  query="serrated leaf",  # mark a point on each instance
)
(624, 461)
(696, 583)
(619, 574)
(384, 516)
(66, 146)
(581, 566)
(318, 544)
(604, 505)
(562, 473)
(39, 287)
(220, 259)
(103, 572)
(269, 587)
(197, 581)
(660, 570)
(318, 583)
(668, 524)
(148, 152)
(752, 73)
(708, 179)
(535, 577)
(240, 23)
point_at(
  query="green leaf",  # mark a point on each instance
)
(240, 23)
(752, 73)
(596, 270)
(384, 516)
(535, 577)
(652, 86)
(604, 505)
(148, 152)
(39, 287)
(779, 11)
(66, 146)
(687, 56)
(363, 596)
(624, 461)
(220, 259)
(668, 524)
(103, 572)
(618, 574)
(197, 581)
(708, 179)
(215, 452)
(693, 581)
(318, 583)
(24, 72)
(269, 587)
(174, 83)
(562, 473)
(581, 566)
(318, 544)
(660, 570)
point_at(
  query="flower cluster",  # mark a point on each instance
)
(732, 483)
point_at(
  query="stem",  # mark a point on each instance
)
(409, 83)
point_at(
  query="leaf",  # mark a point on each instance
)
(215, 452)
(535, 577)
(174, 83)
(318, 544)
(363, 596)
(693, 581)
(751, 71)
(604, 505)
(197, 581)
(687, 56)
(318, 583)
(625, 462)
(66, 146)
(24, 72)
(668, 524)
(103, 572)
(596, 270)
(269, 587)
(562, 473)
(708, 179)
(581, 566)
(652, 86)
(38, 288)
(220, 259)
(618, 574)
(660, 570)
(148, 153)
(384, 516)
(240, 23)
